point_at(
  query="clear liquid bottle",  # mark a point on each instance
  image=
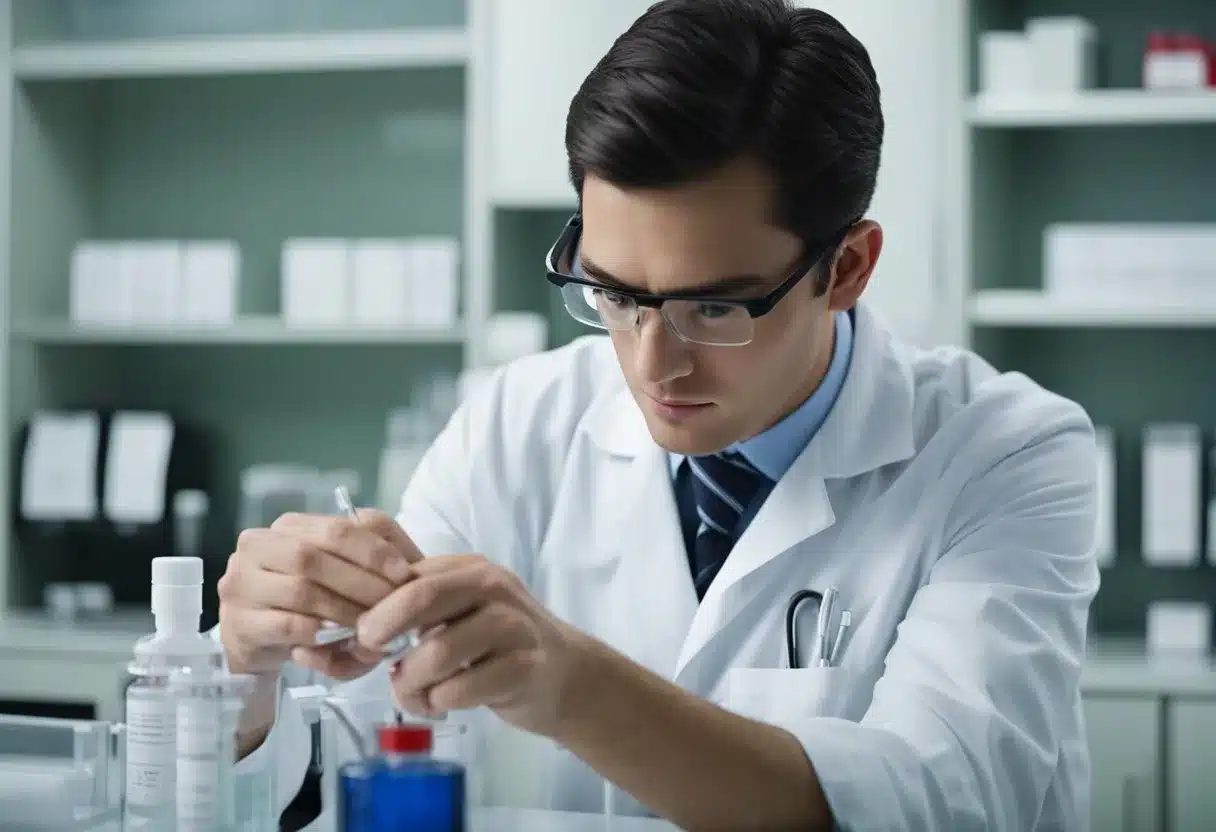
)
(151, 706)
(209, 705)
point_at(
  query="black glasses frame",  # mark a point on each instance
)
(756, 307)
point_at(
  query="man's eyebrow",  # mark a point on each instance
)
(724, 287)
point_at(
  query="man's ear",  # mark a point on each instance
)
(854, 263)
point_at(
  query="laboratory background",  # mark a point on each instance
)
(253, 250)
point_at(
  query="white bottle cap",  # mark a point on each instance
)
(177, 593)
(177, 571)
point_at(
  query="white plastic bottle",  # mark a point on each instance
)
(151, 719)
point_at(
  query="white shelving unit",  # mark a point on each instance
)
(994, 120)
(246, 331)
(231, 55)
(1031, 308)
(63, 152)
(1097, 108)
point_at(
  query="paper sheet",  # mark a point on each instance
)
(59, 475)
(137, 464)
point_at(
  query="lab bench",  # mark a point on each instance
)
(1151, 721)
(81, 663)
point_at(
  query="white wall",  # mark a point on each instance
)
(906, 40)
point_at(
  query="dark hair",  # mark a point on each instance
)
(695, 84)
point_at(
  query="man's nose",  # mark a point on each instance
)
(661, 355)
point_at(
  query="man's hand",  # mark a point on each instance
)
(282, 582)
(487, 642)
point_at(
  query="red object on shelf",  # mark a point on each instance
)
(404, 738)
(1178, 60)
(1189, 43)
(1194, 46)
(1159, 41)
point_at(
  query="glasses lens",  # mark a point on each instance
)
(599, 307)
(715, 324)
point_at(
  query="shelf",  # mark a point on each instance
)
(1094, 109)
(246, 331)
(314, 52)
(1032, 308)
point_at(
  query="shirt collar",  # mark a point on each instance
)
(774, 450)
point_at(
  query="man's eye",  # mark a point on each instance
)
(713, 311)
(611, 298)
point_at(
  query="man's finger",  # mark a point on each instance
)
(433, 599)
(350, 540)
(294, 593)
(486, 684)
(275, 628)
(414, 704)
(445, 652)
(331, 661)
(287, 554)
(446, 563)
(385, 526)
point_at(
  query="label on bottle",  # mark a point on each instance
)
(204, 760)
(198, 728)
(198, 794)
(151, 741)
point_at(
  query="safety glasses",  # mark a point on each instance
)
(711, 321)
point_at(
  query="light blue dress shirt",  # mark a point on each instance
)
(774, 450)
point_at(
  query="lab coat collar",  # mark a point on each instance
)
(871, 424)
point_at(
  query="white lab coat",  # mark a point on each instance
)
(952, 506)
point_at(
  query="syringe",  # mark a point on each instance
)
(332, 633)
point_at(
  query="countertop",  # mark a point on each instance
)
(1113, 666)
(526, 820)
(108, 637)
(1127, 667)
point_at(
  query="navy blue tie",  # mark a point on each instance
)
(723, 487)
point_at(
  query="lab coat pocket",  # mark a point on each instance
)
(780, 696)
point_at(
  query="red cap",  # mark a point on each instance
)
(1189, 43)
(404, 738)
(1159, 41)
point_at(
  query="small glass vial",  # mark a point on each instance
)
(403, 786)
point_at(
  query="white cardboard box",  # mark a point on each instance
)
(381, 282)
(210, 282)
(1062, 53)
(1104, 536)
(1122, 262)
(1005, 64)
(434, 282)
(315, 282)
(153, 273)
(96, 292)
(1171, 485)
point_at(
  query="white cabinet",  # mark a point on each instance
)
(1125, 754)
(65, 678)
(1192, 797)
(540, 52)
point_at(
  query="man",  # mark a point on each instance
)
(614, 531)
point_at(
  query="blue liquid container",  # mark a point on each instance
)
(403, 788)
